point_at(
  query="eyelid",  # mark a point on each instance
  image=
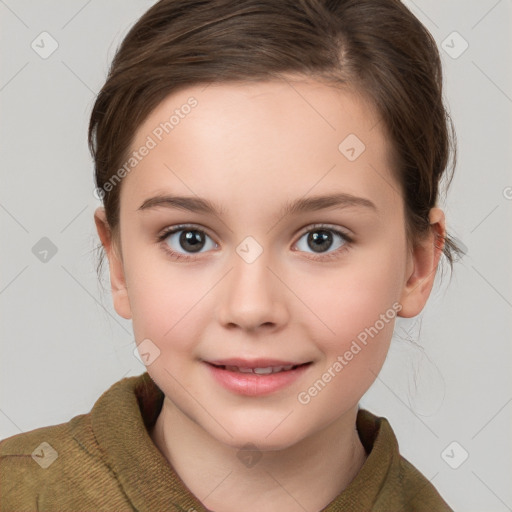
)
(328, 227)
(176, 255)
(169, 230)
(334, 255)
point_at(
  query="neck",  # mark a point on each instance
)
(307, 475)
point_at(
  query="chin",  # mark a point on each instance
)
(266, 436)
(262, 444)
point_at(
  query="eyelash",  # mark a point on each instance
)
(324, 257)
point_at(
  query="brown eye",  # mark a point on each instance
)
(323, 242)
(319, 240)
(183, 240)
(191, 240)
(322, 239)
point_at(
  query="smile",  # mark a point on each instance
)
(256, 378)
(259, 371)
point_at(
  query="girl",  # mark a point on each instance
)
(269, 174)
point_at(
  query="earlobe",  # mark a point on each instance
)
(422, 266)
(115, 265)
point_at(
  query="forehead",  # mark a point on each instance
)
(249, 142)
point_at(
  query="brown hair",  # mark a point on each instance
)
(376, 46)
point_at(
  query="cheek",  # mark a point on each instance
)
(359, 304)
(166, 300)
(352, 298)
(360, 310)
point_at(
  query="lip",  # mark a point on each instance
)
(250, 384)
(254, 363)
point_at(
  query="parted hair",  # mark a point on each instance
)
(377, 47)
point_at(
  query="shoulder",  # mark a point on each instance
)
(59, 466)
(390, 479)
(47, 460)
(418, 492)
(73, 465)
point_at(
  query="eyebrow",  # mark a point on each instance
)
(302, 205)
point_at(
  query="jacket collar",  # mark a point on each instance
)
(123, 414)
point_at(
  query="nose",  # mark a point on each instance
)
(252, 297)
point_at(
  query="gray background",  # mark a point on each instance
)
(448, 375)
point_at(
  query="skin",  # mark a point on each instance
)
(251, 148)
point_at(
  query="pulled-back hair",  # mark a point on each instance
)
(377, 47)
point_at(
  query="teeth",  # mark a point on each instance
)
(265, 371)
(260, 371)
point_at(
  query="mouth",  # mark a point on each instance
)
(259, 370)
(256, 377)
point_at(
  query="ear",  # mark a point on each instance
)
(422, 265)
(115, 264)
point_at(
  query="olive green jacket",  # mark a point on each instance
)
(106, 461)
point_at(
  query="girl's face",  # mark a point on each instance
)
(290, 249)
